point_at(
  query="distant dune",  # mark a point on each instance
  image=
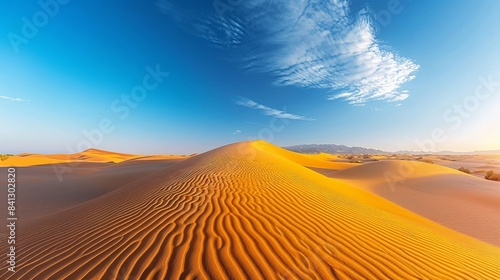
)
(90, 155)
(252, 210)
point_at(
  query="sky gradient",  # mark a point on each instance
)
(177, 77)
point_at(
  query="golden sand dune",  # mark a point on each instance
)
(321, 160)
(245, 211)
(90, 155)
(452, 198)
(31, 160)
(96, 155)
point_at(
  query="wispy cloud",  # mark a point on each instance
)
(237, 131)
(14, 99)
(268, 111)
(310, 44)
(400, 97)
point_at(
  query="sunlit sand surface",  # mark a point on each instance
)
(447, 196)
(252, 210)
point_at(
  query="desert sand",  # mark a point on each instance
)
(452, 198)
(252, 210)
(90, 155)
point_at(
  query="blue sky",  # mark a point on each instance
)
(392, 75)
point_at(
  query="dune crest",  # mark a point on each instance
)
(245, 211)
(321, 160)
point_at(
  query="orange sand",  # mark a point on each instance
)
(245, 211)
(90, 155)
(452, 198)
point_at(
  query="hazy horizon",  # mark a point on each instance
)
(212, 148)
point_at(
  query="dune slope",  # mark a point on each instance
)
(321, 160)
(452, 198)
(41, 192)
(243, 212)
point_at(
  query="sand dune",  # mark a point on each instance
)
(310, 160)
(95, 155)
(90, 155)
(245, 211)
(31, 160)
(452, 198)
(87, 156)
(41, 192)
(478, 164)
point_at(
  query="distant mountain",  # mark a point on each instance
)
(332, 149)
(342, 149)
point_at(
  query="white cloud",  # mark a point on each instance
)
(309, 44)
(268, 111)
(237, 131)
(14, 99)
(340, 95)
(400, 97)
